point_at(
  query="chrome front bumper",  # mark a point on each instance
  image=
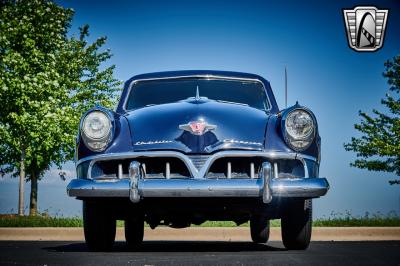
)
(137, 188)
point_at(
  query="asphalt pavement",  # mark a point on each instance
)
(201, 253)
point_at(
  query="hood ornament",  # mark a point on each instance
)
(197, 98)
(198, 127)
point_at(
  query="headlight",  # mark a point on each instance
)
(96, 130)
(299, 129)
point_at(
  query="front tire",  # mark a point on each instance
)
(296, 224)
(134, 231)
(99, 227)
(259, 229)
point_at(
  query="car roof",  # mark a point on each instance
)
(183, 73)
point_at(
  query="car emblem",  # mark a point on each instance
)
(365, 26)
(197, 127)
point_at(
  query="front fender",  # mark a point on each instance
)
(121, 139)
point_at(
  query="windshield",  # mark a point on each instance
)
(162, 91)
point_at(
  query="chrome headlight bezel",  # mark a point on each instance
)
(100, 142)
(298, 143)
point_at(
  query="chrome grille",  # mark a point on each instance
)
(198, 160)
(170, 167)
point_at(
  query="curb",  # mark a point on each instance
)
(201, 234)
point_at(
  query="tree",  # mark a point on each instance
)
(378, 149)
(47, 80)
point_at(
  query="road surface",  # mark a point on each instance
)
(201, 253)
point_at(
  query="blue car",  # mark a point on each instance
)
(185, 147)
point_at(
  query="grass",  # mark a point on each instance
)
(11, 220)
(377, 219)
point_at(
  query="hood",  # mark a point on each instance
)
(236, 126)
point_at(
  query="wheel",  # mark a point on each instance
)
(296, 224)
(99, 227)
(259, 229)
(134, 230)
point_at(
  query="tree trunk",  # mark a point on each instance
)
(33, 198)
(21, 183)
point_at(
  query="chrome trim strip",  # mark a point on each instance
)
(279, 187)
(195, 173)
(305, 156)
(195, 76)
(232, 146)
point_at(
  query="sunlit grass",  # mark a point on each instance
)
(334, 220)
(38, 221)
(347, 219)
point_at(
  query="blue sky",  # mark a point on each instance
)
(261, 37)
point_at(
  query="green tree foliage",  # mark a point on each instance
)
(378, 149)
(47, 80)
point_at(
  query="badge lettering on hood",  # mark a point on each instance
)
(198, 127)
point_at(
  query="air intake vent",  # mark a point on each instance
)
(198, 160)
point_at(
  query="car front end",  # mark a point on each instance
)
(180, 150)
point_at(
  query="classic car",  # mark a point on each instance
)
(185, 147)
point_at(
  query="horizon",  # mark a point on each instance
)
(324, 74)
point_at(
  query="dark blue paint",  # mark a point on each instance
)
(161, 123)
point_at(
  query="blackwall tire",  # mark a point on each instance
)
(99, 227)
(134, 231)
(259, 229)
(296, 225)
